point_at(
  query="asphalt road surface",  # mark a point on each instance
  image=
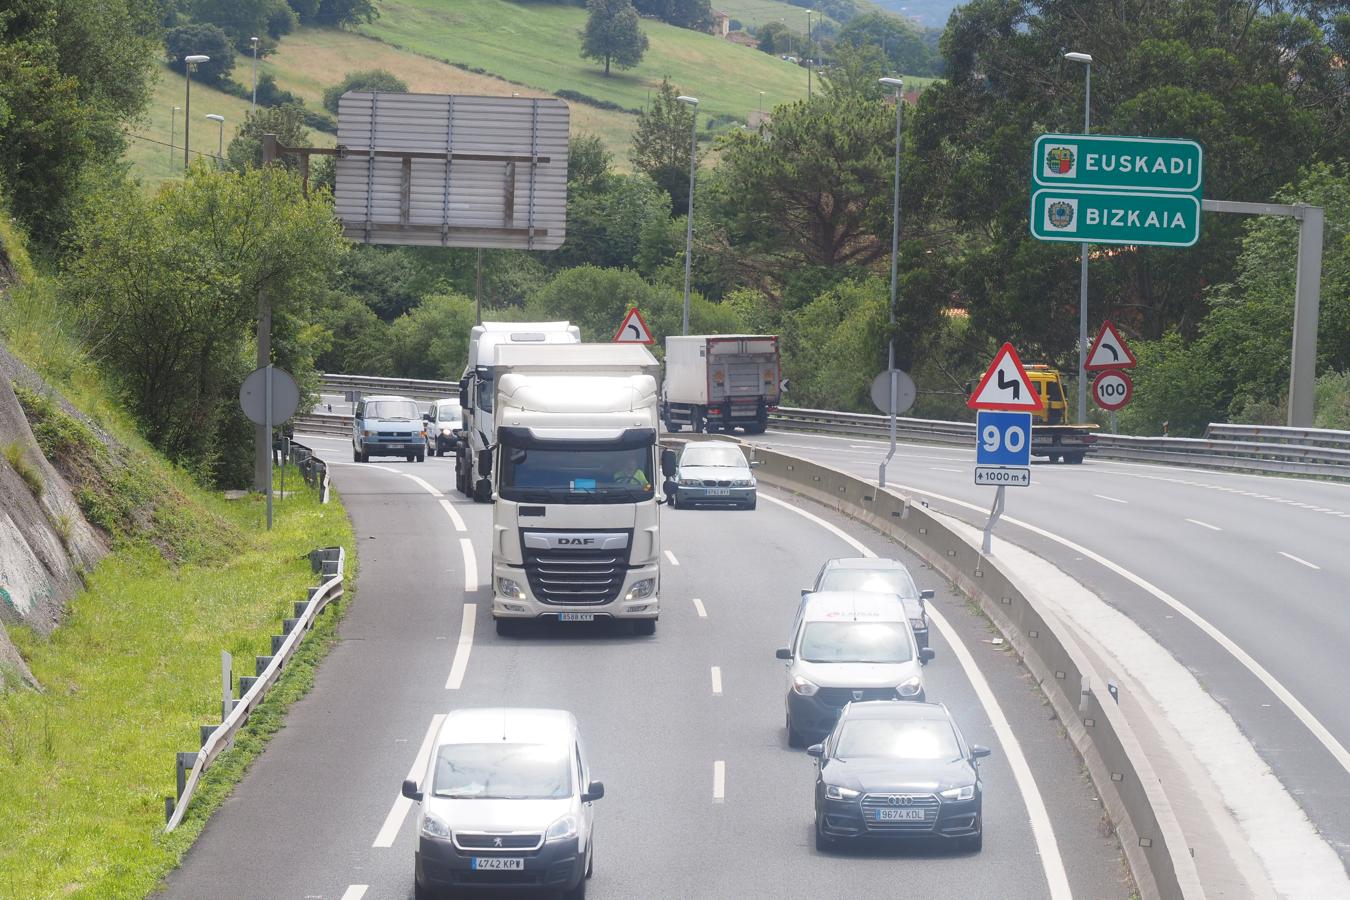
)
(703, 797)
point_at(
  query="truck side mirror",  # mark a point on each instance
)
(484, 463)
(669, 488)
(464, 392)
(668, 463)
(928, 594)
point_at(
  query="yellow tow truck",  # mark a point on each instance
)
(1051, 435)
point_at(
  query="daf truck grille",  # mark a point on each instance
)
(569, 576)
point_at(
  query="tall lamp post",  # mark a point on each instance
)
(173, 131)
(899, 85)
(689, 216)
(190, 66)
(1086, 60)
(220, 142)
(254, 42)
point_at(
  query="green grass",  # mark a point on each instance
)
(538, 44)
(14, 455)
(85, 765)
(761, 12)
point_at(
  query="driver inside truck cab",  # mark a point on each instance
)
(627, 471)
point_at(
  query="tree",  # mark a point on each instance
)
(345, 13)
(286, 122)
(612, 34)
(245, 19)
(694, 14)
(167, 286)
(777, 39)
(365, 80)
(596, 300)
(661, 144)
(432, 340)
(207, 40)
(605, 226)
(901, 43)
(587, 163)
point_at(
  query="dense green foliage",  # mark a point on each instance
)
(286, 122)
(696, 14)
(661, 144)
(612, 34)
(369, 80)
(901, 43)
(202, 39)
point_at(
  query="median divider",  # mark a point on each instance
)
(1149, 832)
(328, 563)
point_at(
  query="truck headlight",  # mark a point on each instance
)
(434, 827)
(507, 587)
(640, 590)
(834, 792)
(960, 793)
(804, 687)
(561, 830)
(911, 688)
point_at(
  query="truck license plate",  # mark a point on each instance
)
(507, 863)
(576, 617)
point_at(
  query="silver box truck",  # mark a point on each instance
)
(720, 382)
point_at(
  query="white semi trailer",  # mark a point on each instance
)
(720, 382)
(577, 473)
(476, 390)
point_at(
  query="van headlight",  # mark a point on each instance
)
(561, 830)
(434, 827)
(960, 793)
(507, 587)
(910, 688)
(641, 590)
(804, 687)
(834, 792)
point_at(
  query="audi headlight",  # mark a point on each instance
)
(835, 792)
(561, 830)
(434, 827)
(641, 590)
(960, 793)
(911, 688)
(506, 587)
(801, 686)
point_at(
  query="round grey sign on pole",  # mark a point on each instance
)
(904, 391)
(253, 396)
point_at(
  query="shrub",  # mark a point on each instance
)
(367, 80)
(23, 468)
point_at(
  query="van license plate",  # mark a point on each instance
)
(500, 863)
(576, 617)
(900, 815)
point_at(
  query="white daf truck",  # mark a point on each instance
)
(578, 476)
(476, 390)
(717, 382)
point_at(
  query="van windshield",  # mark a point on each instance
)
(392, 410)
(502, 771)
(855, 642)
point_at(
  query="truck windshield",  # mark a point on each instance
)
(581, 475)
(392, 409)
(485, 387)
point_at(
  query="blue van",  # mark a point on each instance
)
(388, 426)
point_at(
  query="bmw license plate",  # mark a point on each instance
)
(719, 492)
(576, 617)
(499, 863)
(900, 815)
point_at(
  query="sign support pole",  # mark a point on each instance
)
(268, 427)
(895, 257)
(262, 434)
(995, 513)
(1083, 277)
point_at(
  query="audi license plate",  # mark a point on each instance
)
(900, 815)
(576, 617)
(499, 863)
(719, 492)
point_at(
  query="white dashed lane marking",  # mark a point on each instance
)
(1204, 525)
(1301, 562)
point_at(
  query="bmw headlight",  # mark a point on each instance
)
(834, 792)
(561, 830)
(641, 590)
(960, 793)
(507, 587)
(910, 688)
(434, 827)
(801, 686)
(743, 483)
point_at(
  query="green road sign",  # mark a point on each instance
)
(1107, 217)
(1113, 163)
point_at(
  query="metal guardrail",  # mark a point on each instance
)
(312, 467)
(1130, 789)
(329, 563)
(1279, 434)
(415, 388)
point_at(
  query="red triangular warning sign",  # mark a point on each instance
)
(1109, 351)
(634, 330)
(1005, 385)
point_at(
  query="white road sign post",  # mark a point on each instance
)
(1005, 399)
(269, 396)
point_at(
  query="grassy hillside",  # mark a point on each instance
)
(762, 12)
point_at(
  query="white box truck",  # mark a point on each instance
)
(476, 390)
(720, 382)
(578, 476)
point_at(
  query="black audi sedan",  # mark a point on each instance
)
(893, 770)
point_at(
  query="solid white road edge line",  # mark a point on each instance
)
(453, 514)
(394, 821)
(1311, 722)
(1204, 525)
(355, 891)
(719, 781)
(470, 565)
(463, 648)
(671, 557)
(1041, 829)
(698, 606)
(426, 487)
(717, 679)
(1301, 562)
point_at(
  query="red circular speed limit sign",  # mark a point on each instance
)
(1112, 390)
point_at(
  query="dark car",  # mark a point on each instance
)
(898, 771)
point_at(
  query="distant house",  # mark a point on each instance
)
(721, 23)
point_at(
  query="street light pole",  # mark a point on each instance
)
(1086, 60)
(689, 216)
(189, 66)
(220, 143)
(898, 84)
(807, 54)
(173, 131)
(254, 41)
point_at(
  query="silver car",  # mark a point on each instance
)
(712, 473)
(505, 803)
(881, 576)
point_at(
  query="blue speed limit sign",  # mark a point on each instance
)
(1003, 439)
